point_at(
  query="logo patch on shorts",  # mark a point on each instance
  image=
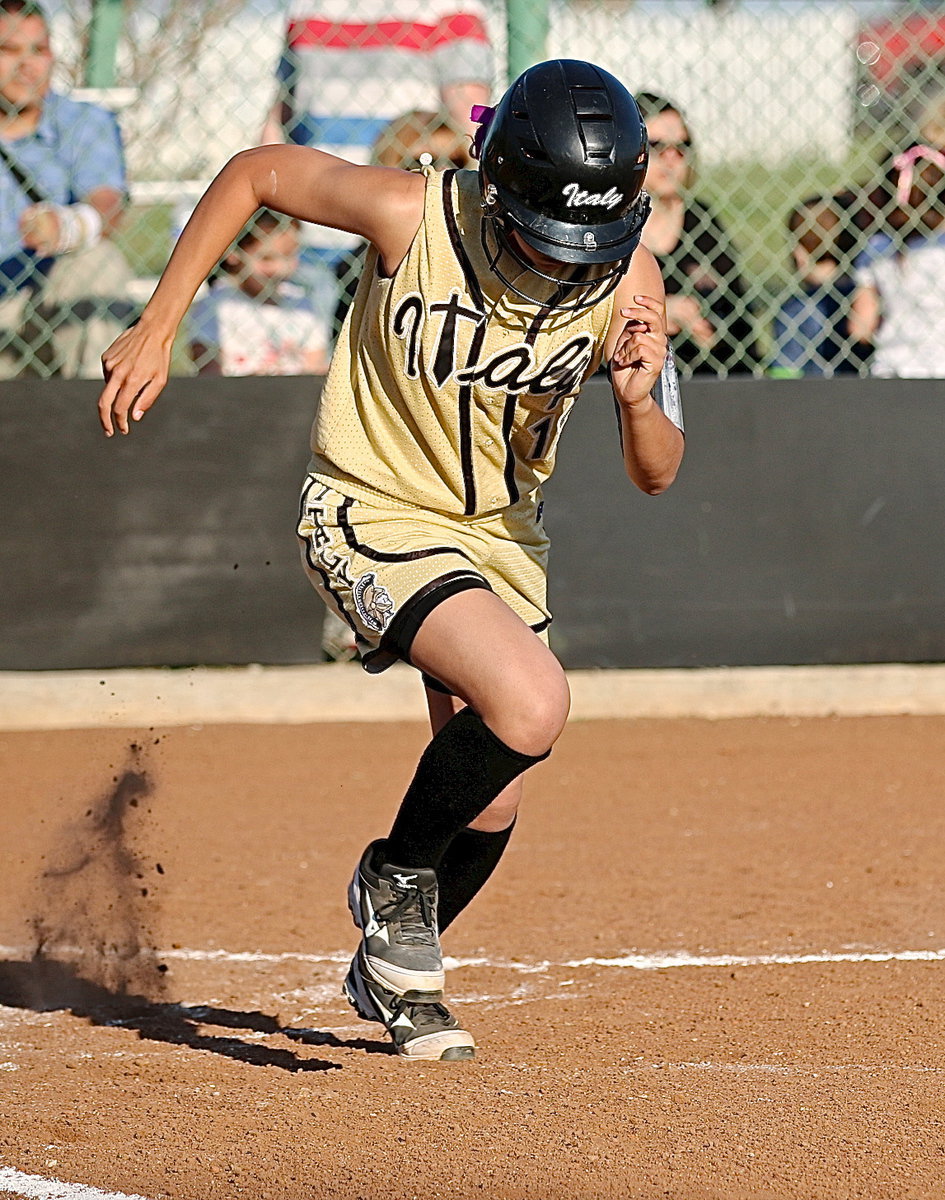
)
(373, 602)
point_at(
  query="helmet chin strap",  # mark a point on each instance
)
(586, 288)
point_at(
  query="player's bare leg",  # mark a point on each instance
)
(509, 702)
(488, 657)
(516, 702)
(512, 699)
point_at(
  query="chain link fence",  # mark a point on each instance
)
(777, 149)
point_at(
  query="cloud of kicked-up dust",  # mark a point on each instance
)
(94, 903)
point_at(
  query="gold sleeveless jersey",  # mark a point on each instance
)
(446, 389)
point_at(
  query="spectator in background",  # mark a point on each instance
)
(419, 139)
(879, 201)
(899, 301)
(811, 330)
(62, 191)
(413, 140)
(253, 320)
(706, 310)
(348, 68)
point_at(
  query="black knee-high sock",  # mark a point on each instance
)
(470, 859)
(460, 773)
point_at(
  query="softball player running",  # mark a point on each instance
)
(487, 299)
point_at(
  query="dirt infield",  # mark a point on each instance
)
(709, 966)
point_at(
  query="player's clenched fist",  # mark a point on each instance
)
(136, 366)
(640, 351)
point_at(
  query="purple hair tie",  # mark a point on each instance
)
(481, 115)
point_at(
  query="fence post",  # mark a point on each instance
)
(527, 25)
(104, 32)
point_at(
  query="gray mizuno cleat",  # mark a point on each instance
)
(395, 909)
(420, 1032)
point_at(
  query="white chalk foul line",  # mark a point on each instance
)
(35, 1187)
(659, 961)
(813, 1070)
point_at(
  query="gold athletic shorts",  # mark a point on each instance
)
(382, 565)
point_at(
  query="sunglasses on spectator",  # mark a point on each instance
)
(660, 147)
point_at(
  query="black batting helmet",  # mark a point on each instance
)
(562, 163)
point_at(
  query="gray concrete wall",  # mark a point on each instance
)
(805, 527)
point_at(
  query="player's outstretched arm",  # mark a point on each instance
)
(637, 347)
(382, 205)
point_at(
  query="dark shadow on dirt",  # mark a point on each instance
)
(92, 948)
(46, 985)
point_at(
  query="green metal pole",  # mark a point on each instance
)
(104, 32)
(527, 24)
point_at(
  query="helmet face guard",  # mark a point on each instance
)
(562, 163)
(576, 285)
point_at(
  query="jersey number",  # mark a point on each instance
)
(546, 430)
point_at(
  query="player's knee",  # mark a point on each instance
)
(537, 712)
